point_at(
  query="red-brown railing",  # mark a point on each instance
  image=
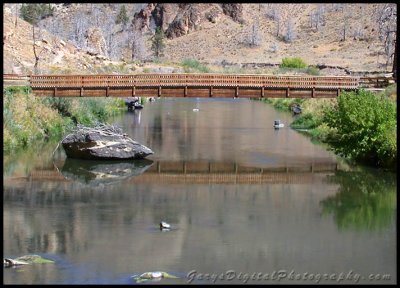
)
(194, 80)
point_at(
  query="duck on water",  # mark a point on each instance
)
(278, 124)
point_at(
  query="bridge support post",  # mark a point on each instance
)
(159, 91)
(338, 92)
(81, 92)
(237, 92)
(287, 92)
(55, 92)
(313, 93)
(108, 91)
(185, 94)
(262, 92)
(211, 91)
(133, 91)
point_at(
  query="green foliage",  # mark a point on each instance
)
(192, 65)
(306, 121)
(88, 111)
(34, 259)
(284, 104)
(366, 200)
(28, 119)
(157, 42)
(62, 105)
(311, 70)
(122, 17)
(391, 92)
(364, 128)
(233, 70)
(293, 63)
(33, 13)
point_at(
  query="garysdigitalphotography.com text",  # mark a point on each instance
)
(231, 275)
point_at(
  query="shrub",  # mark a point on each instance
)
(293, 63)
(306, 121)
(191, 64)
(364, 128)
(311, 70)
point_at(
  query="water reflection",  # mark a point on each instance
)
(365, 200)
(242, 196)
(103, 172)
(110, 234)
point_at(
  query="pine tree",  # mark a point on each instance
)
(33, 13)
(122, 17)
(157, 44)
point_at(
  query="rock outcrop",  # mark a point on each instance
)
(234, 10)
(141, 19)
(213, 15)
(177, 20)
(185, 22)
(95, 42)
(103, 142)
(163, 14)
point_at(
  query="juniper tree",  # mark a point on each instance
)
(122, 17)
(157, 42)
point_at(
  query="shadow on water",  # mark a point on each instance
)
(365, 200)
(103, 172)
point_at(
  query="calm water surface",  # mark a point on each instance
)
(247, 204)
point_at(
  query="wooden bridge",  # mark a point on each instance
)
(192, 85)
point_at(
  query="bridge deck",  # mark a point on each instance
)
(191, 85)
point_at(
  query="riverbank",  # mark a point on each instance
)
(361, 126)
(28, 119)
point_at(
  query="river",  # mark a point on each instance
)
(247, 204)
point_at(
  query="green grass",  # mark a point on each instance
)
(192, 65)
(28, 119)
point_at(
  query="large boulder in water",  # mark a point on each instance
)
(103, 142)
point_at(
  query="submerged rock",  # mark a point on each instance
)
(103, 142)
(25, 260)
(154, 276)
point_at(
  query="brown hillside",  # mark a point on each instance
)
(207, 33)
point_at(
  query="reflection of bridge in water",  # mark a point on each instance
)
(195, 172)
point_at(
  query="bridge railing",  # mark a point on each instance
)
(198, 80)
